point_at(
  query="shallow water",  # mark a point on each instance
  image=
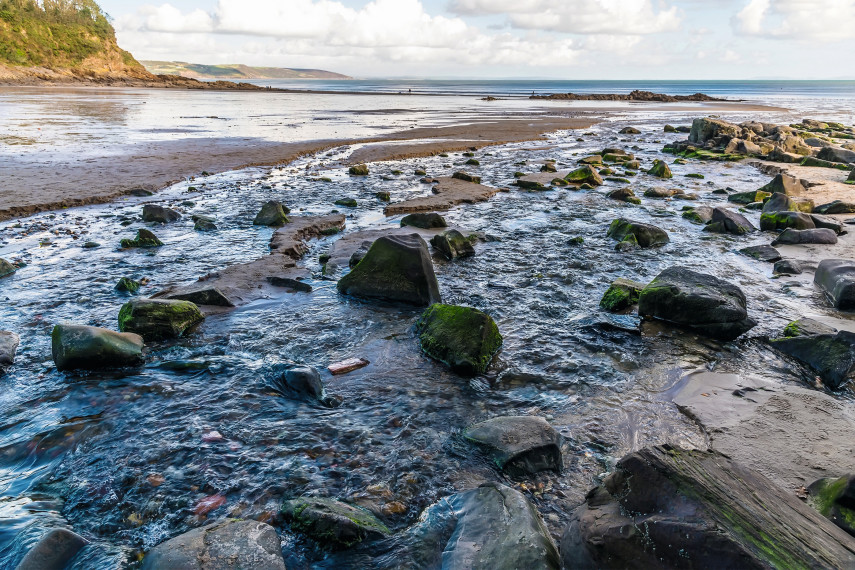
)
(121, 456)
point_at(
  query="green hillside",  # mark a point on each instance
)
(235, 71)
(62, 34)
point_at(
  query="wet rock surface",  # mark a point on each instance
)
(54, 551)
(159, 214)
(519, 445)
(836, 278)
(332, 524)
(91, 348)
(158, 319)
(8, 347)
(462, 337)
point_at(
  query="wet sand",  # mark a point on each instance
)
(43, 182)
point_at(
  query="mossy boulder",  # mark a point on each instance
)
(56, 550)
(836, 278)
(425, 221)
(624, 195)
(518, 445)
(346, 202)
(201, 295)
(621, 294)
(420, 172)
(699, 214)
(834, 498)
(333, 525)
(585, 175)
(807, 327)
(697, 301)
(836, 207)
(784, 184)
(91, 348)
(128, 285)
(358, 170)
(473, 162)
(144, 238)
(548, 167)
(670, 129)
(383, 196)
(629, 131)
(646, 235)
(396, 268)
(272, 214)
(452, 244)
(158, 319)
(466, 177)
(773, 221)
(660, 169)
(748, 197)
(593, 159)
(560, 182)
(462, 337)
(530, 185)
(6, 268)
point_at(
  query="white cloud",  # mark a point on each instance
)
(814, 20)
(617, 17)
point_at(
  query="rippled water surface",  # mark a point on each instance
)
(120, 457)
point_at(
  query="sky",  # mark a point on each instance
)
(527, 39)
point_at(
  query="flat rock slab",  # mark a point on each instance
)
(220, 546)
(448, 193)
(792, 435)
(247, 282)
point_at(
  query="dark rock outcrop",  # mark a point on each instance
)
(773, 221)
(726, 221)
(645, 235)
(584, 175)
(425, 221)
(90, 348)
(203, 296)
(831, 356)
(700, 302)
(621, 294)
(765, 253)
(332, 524)
(816, 236)
(835, 500)
(452, 244)
(836, 277)
(273, 214)
(8, 347)
(519, 445)
(144, 238)
(159, 214)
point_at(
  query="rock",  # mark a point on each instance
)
(831, 356)
(700, 302)
(332, 524)
(646, 235)
(836, 207)
(765, 253)
(358, 170)
(519, 445)
(396, 268)
(818, 236)
(289, 283)
(783, 203)
(86, 245)
(621, 294)
(301, 381)
(205, 225)
(593, 159)
(203, 296)
(670, 129)
(383, 196)
(559, 182)
(629, 131)
(359, 254)
(699, 215)
(784, 184)
(128, 285)
(740, 146)
(8, 347)
(90, 348)
(475, 162)
(466, 177)
(548, 167)
(628, 243)
(452, 244)
(54, 551)
(424, 221)
(836, 278)
(828, 223)
(624, 195)
(780, 155)
(792, 144)
(666, 507)
(788, 267)
(224, 544)
(584, 175)
(660, 192)
(725, 221)
(706, 129)
(851, 176)
(834, 154)
(660, 169)
(772, 221)
(159, 214)
(462, 337)
(273, 214)
(158, 319)
(530, 185)
(807, 327)
(144, 238)
(492, 527)
(748, 197)
(835, 500)
(346, 202)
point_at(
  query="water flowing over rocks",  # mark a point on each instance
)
(832, 356)
(645, 235)
(452, 244)
(449, 192)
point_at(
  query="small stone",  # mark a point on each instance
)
(358, 170)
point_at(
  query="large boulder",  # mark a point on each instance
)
(699, 214)
(144, 238)
(816, 236)
(462, 337)
(452, 244)
(396, 268)
(783, 203)
(726, 221)
(785, 184)
(159, 214)
(624, 195)
(698, 301)
(8, 347)
(645, 235)
(224, 544)
(660, 169)
(300, 381)
(519, 445)
(836, 207)
(54, 551)
(272, 213)
(834, 498)
(621, 294)
(6, 268)
(834, 154)
(492, 527)
(90, 348)
(792, 144)
(585, 175)
(765, 253)
(332, 524)
(807, 327)
(831, 356)
(425, 221)
(666, 507)
(773, 221)
(158, 319)
(836, 278)
(706, 129)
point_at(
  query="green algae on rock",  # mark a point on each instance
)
(645, 235)
(452, 244)
(6, 268)
(332, 524)
(462, 337)
(584, 175)
(128, 285)
(346, 202)
(425, 221)
(158, 319)
(835, 500)
(660, 169)
(273, 214)
(358, 170)
(621, 294)
(144, 238)
(90, 348)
